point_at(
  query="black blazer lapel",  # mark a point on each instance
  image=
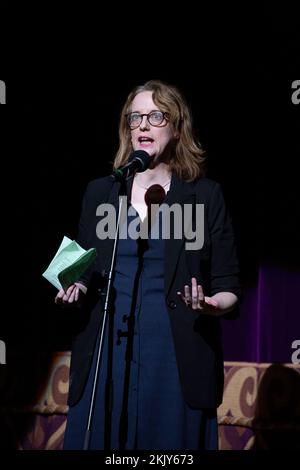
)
(181, 193)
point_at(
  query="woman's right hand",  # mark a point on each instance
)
(73, 296)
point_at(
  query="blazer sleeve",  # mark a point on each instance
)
(84, 236)
(224, 262)
(83, 232)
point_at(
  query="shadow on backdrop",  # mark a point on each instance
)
(277, 415)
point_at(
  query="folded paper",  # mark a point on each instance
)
(68, 264)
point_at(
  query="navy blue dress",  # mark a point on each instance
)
(145, 376)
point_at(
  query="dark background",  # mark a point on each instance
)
(66, 84)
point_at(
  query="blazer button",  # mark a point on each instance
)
(172, 304)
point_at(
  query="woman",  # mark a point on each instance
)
(162, 352)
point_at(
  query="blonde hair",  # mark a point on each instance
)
(188, 158)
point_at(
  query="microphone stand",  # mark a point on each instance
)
(100, 336)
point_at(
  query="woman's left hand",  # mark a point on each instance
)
(195, 299)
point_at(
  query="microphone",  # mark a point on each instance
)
(138, 161)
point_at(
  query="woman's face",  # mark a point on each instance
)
(155, 140)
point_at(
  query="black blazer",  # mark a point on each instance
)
(197, 337)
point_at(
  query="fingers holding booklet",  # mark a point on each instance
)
(72, 296)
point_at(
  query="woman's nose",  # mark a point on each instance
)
(144, 124)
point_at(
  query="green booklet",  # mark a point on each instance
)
(68, 264)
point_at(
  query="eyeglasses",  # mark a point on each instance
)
(155, 118)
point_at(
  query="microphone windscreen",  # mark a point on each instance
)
(142, 157)
(155, 194)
